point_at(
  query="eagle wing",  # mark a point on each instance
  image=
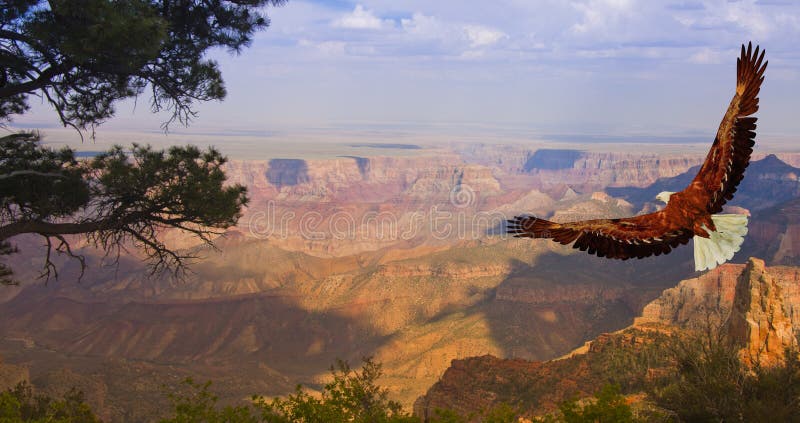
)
(639, 236)
(658, 233)
(729, 156)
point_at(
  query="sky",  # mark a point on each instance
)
(591, 67)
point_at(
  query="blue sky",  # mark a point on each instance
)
(587, 67)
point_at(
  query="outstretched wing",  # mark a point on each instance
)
(716, 182)
(640, 236)
(729, 156)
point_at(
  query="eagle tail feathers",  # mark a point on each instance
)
(722, 244)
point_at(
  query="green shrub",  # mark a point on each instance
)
(607, 406)
(20, 404)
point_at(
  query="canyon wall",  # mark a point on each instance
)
(402, 258)
(754, 305)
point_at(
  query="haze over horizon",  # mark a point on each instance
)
(619, 69)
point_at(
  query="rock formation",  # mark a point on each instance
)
(758, 321)
(276, 305)
(754, 304)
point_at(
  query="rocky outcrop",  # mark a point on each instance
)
(682, 305)
(354, 284)
(758, 321)
(473, 385)
(590, 171)
(754, 304)
(758, 306)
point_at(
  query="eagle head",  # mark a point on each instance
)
(664, 196)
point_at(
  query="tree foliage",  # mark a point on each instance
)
(21, 404)
(712, 384)
(608, 406)
(82, 56)
(199, 404)
(120, 197)
(352, 396)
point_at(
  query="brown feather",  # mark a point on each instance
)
(723, 170)
(715, 184)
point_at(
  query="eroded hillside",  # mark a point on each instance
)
(396, 257)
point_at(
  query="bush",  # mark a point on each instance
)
(502, 413)
(712, 384)
(20, 404)
(200, 405)
(352, 396)
(607, 406)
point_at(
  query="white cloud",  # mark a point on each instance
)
(458, 37)
(326, 63)
(599, 14)
(706, 56)
(748, 16)
(423, 26)
(744, 18)
(361, 18)
(327, 48)
(480, 36)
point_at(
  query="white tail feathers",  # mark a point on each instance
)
(723, 244)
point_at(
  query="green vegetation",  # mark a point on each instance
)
(502, 413)
(352, 396)
(712, 385)
(627, 366)
(709, 384)
(82, 57)
(607, 406)
(200, 405)
(117, 197)
(691, 376)
(20, 404)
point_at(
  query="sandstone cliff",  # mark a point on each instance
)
(743, 287)
(758, 320)
(754, 304)
(277, 305)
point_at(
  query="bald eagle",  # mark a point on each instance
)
(691, 213)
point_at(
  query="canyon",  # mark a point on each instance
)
(399, 257)
(752, 304)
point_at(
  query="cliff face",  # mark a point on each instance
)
(754, 304)
(354, 256)
(350, 205)
(586, 169)
(758, 320)
(714, 291)
(681, 306)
